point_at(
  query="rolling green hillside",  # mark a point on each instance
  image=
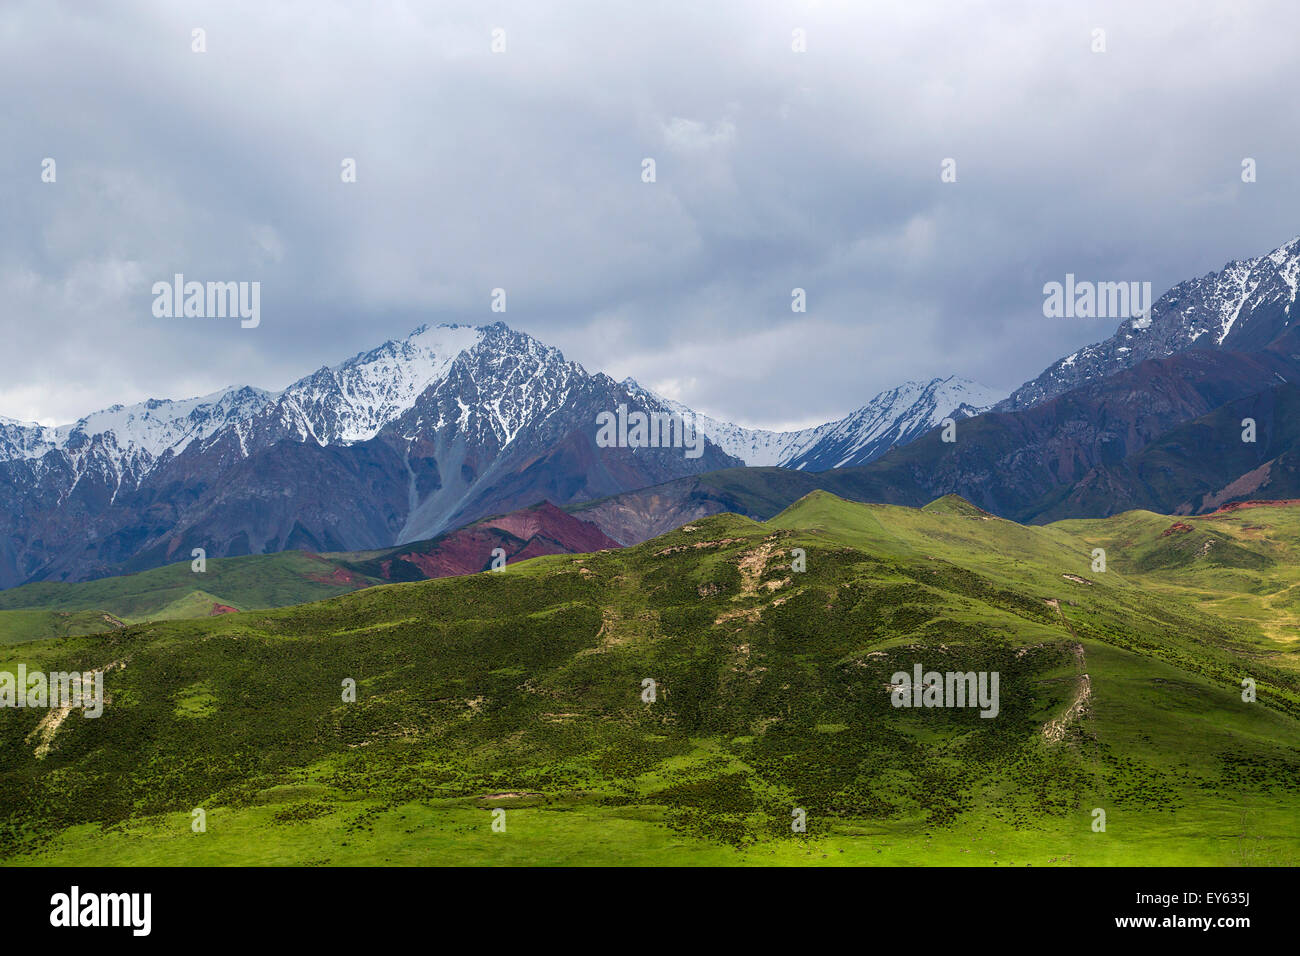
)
(175, 592)
(50, 609)
(522, 691)
(34, 624)
(1242, 564)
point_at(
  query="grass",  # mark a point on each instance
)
(37, 624)
(523, 691)
(58, 609)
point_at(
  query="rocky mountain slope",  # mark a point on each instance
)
(1016, 464)
(1246, 306)
(1199, 466)
(397, 444)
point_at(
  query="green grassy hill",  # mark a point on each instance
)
(175, 592)
(522, 691)
(50, 609)
(35, 624)
(1242, 564)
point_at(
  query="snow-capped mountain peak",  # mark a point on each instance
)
(489, 383)
(1244, 306)
(157, 425)
(25, 439)
(894, 417)
(355, 399)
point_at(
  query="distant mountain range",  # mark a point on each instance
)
(421, 435)
(1022, 465)
(1155, 423)
(455, 423)
(398, 444)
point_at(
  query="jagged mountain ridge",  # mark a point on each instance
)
(347, 403)
(1244, 307)
(893, 417)
(354, 400)
(397, 444)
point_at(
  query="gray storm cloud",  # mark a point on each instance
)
(522, 170)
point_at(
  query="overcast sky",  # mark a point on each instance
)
(523, 170)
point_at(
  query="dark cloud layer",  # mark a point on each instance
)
(522, 170)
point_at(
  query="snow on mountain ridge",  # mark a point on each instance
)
(1242, 307)
(350, 402)
(753, 446)
(152, 426)
(893, 417)
(529, 380)
(25, 439)
(524, 382)
(355, 399)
